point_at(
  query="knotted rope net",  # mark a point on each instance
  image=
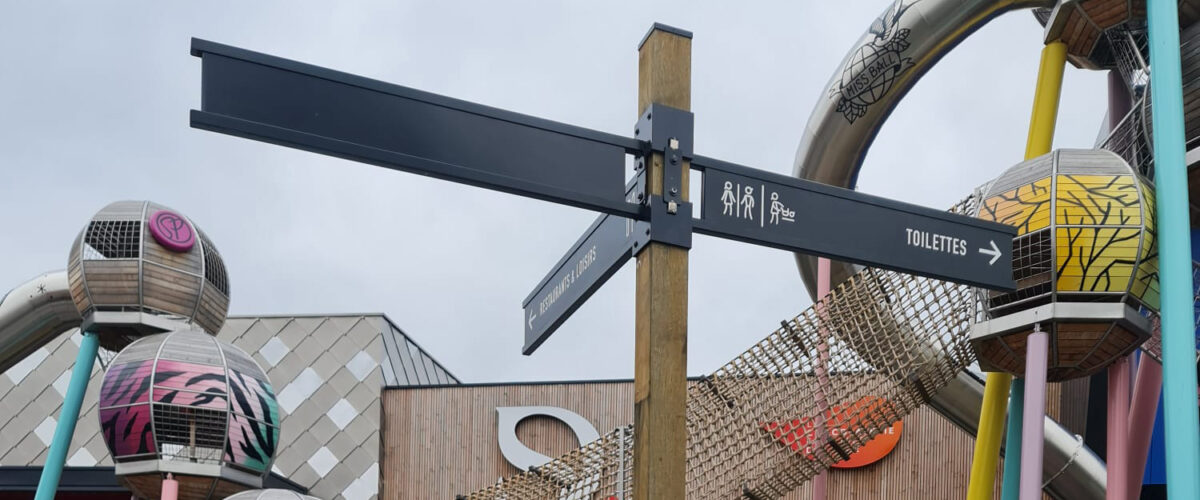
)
(807, 396)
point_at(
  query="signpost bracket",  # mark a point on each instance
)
(667, 130)
(672, 228)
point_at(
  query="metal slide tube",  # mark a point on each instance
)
(1175, 253)
(81, 373)
(33, 314)
(1071, 470)
(832, 150)
(833, 147)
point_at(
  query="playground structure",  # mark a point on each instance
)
(188, 405)
(139, 270)
(832, 149)
(179, 407)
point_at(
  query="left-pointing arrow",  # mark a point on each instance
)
(531, 316)
(994, 252)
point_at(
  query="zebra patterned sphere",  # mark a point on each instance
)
(187, 403)
(1085, 261)
(140, 268)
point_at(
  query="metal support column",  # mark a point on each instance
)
(1175, 254)
(1011, 488)
(1118, 429)
(1142, 412)
(821, 483)
(991, 416)
(1037, 360)
(57, 457)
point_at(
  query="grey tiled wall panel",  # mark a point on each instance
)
(326, 370)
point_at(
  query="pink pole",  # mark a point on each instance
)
(170, 488)
(1142, 412)
(1037, 353)
(821, 483)
(1118, 430)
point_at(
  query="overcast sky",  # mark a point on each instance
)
(94, 101)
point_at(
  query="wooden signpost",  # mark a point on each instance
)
(275, 100)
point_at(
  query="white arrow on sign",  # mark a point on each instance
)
(534, 315)
(994, 252)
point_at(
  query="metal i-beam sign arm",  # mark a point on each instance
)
(284, 102)
(610, 241)
(599, 253)
(764, 208)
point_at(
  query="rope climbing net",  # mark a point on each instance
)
(805, 397)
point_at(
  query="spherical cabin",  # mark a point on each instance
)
(140, 268)
(1085, 263)
(269, 494)
(186, 403)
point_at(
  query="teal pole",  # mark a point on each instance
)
(1175, 254)
(80, 374)
(1010, 488)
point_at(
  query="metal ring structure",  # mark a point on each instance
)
(903, 43)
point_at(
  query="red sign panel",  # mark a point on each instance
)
(798, 434)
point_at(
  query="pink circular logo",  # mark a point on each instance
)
(172, 231)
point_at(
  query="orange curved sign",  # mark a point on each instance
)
(799, 433)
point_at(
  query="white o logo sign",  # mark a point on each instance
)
(508, 417)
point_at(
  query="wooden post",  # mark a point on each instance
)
(660, 366)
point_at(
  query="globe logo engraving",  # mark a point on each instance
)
(872, 70)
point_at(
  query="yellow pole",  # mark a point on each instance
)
(1045, 100)
(987, 439)
(995, 392)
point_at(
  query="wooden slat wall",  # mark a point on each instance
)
(112, 281)
(169, 290)
(75, 277)
(441, 441)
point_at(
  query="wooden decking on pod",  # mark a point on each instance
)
(1081, 25)
(1076, 349)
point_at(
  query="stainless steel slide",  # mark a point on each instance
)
(899, 47)
(33, 314)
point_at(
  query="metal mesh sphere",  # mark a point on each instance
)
(270, 494)
(140, 268)
(187, 403)
(1085, 262)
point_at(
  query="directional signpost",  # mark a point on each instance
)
(284, 102)
(604, 247)
(768, 209)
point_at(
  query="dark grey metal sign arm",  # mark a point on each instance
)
(599, 253)
(284, 102)
(797, 215)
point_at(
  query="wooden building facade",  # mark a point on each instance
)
(440, 441)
